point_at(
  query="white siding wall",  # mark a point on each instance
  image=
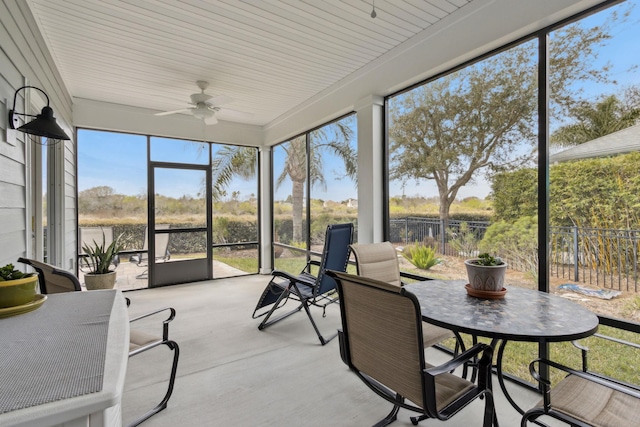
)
(23, 55)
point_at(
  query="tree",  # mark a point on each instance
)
(102, 191)
(96, 199)
(230, 162)
(335, 138)
(596, 119)
(482, 117)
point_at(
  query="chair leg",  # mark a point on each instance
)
(416, 420)
(163, 404)
(322, 339)
(391, 416)
(490, 416)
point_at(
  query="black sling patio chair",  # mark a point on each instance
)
(306, 288)
(382, 343)
(55, 280)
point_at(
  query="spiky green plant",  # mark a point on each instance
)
(100, 255)
(423, 257)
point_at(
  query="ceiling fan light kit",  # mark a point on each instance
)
(206, 106)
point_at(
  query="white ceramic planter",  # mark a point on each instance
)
(485, 277)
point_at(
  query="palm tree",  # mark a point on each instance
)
(595, 120)
(334, 138)
(229, 162)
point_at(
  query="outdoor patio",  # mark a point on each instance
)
(232, 374)
(131, 276)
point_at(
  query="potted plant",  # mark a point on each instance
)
(16, 288)
(99, 257)
(486, 273)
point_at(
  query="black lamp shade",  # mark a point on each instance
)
(44, 125)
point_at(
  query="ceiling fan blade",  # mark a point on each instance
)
(219, 100)
(166, 113)
(231, 114)
(211, 120)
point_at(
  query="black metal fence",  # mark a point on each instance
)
(602, 257)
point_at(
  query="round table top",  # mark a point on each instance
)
(522, 315)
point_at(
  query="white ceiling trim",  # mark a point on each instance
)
(291, 63)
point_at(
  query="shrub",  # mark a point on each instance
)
(517, 242)
(465, 241)
(423, 257)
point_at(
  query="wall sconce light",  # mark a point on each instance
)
(44, 123)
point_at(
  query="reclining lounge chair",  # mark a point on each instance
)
(305, 288)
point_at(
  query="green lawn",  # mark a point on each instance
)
(248, 265)
(604, 357)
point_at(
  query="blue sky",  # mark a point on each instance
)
(119, 160)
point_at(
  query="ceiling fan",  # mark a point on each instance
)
(206, 106)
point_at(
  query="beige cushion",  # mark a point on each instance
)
(448, 388)
(594, 404)
(139, 339)
(378, 261)
(432, 334)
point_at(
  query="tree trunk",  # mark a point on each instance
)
(297, 195)
(444, 208)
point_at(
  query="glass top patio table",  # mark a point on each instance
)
(522, 315)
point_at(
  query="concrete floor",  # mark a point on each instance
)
(232, 374)
(131, 276)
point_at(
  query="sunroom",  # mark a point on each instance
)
(223, 137)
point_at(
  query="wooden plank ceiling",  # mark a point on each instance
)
(267, 55)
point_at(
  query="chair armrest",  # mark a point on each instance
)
(291, 278)
(458, 360)
(612, 383)
(165, 323)
(632, 327)
(412, 276)
(584, 352)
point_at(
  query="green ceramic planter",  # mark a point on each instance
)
(18, 292)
